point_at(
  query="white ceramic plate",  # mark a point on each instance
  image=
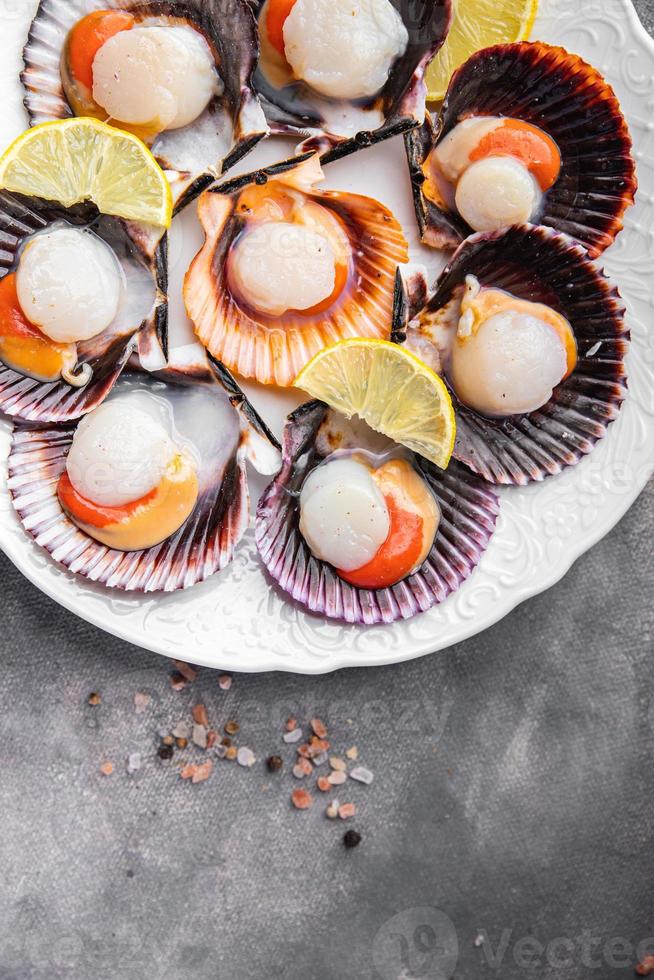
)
(236, 620)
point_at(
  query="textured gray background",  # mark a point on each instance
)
(513, 792)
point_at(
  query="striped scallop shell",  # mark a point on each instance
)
(141, 328)
(469, 510)
(568, 99)
(229, 28)
(542, 266)
(202, 546)
(274, 353)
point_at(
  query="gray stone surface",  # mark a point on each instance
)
(512, 800)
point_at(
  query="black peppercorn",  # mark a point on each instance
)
(351, 838)
(165, 751)
(274, 763)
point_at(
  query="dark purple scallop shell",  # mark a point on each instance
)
(542, 266)
(231, 31)
(201, 547)
(469, 508)
(142, 254)
(294, 109)
(567, 98)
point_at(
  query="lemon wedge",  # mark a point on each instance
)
(478, 24)
(388, 387)
(80, 159)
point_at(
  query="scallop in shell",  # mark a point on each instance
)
(346, 75)
(530, 336)
(287, 269)
(527, 133)
(148, 493)
(176, 74)
(80, 293)
(465, 509)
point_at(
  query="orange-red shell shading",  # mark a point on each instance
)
(273, 350)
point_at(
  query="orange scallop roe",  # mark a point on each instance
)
(341, 276)
(141, 523)
(526, 143)
(13, 322)
(22, 345)
(278, 11)
(94, 514)
(397, 556)
(413, 519)
(87, 37)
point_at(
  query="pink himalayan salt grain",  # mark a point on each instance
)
(177, 682)
(200, 716)
(188, 672)
(197, 773)
(318, 728)
(301, 799)
(200, 736)
(302, 768)
(141, 702)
